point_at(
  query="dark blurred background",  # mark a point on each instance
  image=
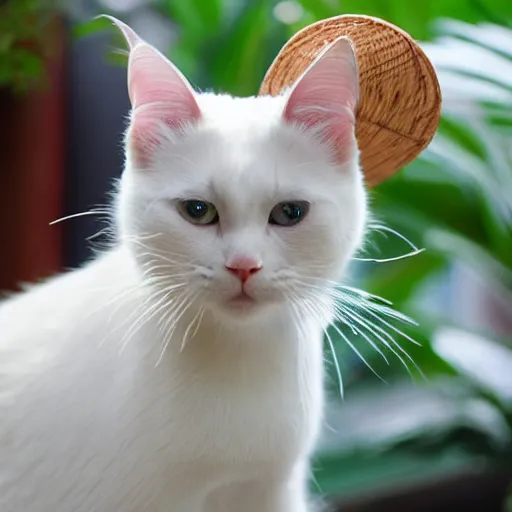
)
(409, 443)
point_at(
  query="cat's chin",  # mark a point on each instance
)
(242, 307)
(242, 302)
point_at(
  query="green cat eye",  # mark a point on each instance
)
(198, 212)
(288, 213)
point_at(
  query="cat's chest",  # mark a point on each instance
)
(111, 427)
(247, 411)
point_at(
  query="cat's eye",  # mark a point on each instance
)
(198, 212)
(288, 213)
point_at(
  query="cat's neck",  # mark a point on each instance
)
(219, 331)
(241, 351)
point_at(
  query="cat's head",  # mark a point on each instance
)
(241, 204)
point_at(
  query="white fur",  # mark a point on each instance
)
(225, 423)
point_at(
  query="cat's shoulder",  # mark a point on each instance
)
(38, 320)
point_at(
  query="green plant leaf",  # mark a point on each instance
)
(482, 361)
(198, 18)
(239, 63)
(463, 249)
(86, 28)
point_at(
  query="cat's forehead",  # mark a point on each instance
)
(243, 133)
(227, 113)
(243, 149)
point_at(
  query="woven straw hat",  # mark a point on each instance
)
(399, 100)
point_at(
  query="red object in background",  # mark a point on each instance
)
(32, 172)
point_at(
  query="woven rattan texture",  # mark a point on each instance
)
(400, 100)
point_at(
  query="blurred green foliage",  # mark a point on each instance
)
(22, 24)
(227, 45)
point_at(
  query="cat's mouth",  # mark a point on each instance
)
(241, 301)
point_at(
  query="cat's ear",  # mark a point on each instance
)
(324, 98)
(160, 96)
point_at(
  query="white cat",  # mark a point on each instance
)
(181, 370)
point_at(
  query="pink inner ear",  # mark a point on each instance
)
(160, 95)
(325, 97)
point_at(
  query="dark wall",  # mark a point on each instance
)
(97, 108)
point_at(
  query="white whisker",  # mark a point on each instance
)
(391, 326)
(371, 327)
(298, 320)
(382, 227)
(190, 325)
(199, 321)
(160, 257)
(354, 349)
(348, 302)
(395, 258)
(336, 364)
(149, 313)
(311, 308)
(179, 312)
(361, 293)
(82, 214)
(142, 236)
(342, 319)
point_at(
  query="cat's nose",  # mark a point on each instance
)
(243, 267)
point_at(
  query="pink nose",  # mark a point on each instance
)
(244, 268)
